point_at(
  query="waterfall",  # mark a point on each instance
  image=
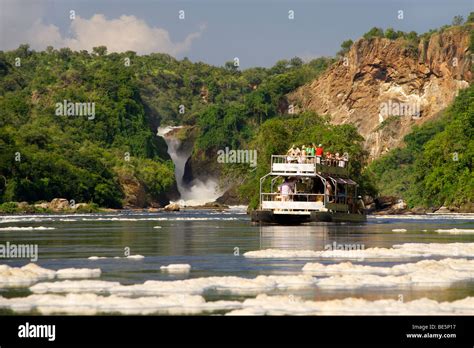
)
(198, 192)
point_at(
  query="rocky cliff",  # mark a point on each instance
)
(384, 87)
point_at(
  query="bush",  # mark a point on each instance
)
(9, 208)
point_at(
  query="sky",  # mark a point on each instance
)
(258, 32)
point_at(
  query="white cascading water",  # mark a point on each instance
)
(197, 192)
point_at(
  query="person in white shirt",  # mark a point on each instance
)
(286, 189)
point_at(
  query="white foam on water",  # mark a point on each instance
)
(158, 227)
(120, 219)
(199, 192)
(176, 268)
(178, 218)
(196, 286)
(429, 216)
(72, 273)
(130, 257)
(426, 273)
(282, 253)
(6, 221)
(39, 217)
(438, 249)
(290, 305)
(406, 250)
(74, 286)
(456, 230)
(196, 218)
(92, 304)
(135, 257)
(237, 209)
(29, 228)
(11, 277)
(320, 269)
(399, 230)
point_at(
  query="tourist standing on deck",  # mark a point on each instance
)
(345, 159)
(338, 161)
(302, 158)
(319, 153)
(310, 150)
(329, 192)
(329, 158)
(285, 189)
(291, 154)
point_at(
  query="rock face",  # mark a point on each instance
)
(135, 195)
(231, 197)
(384, 87)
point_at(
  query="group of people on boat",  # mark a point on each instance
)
(315, 154)
(292, 188)
(309, 190)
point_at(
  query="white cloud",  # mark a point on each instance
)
(40, 36)
(121, 34)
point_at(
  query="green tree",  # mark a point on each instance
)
(345, 47)
(391, 34)
(374, 32)
(458, 20)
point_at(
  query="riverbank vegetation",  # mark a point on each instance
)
(434, 168)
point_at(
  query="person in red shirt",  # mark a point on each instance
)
(319, 153)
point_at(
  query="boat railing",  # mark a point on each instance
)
(301, 165)
(293, 197)
(295, 202)
(290, 165)
(307, 201)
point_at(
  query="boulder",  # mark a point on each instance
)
(442, 210)
(215, 205)
(400, 205)
(44, 205)
(23, 205)
(172, 207)
(59, 204)
(231, 197)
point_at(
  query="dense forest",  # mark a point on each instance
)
(92, 159)
(46, 156)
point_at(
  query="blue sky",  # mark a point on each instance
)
(257, 32)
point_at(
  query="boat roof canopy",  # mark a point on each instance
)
(343, 181)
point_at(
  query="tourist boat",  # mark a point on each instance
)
(321, 191)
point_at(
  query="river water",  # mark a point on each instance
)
(416, 264)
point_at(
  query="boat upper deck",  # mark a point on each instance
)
(307, 166)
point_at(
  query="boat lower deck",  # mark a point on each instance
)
(271, 217)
